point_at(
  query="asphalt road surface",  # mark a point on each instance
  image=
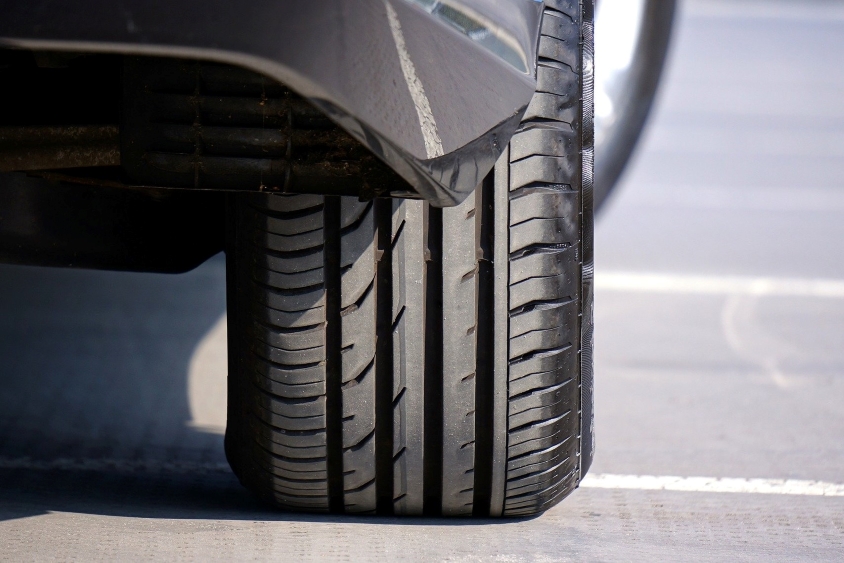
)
(719, 355)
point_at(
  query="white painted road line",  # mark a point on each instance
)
(714, 485)
(592, 481)
(636, 282)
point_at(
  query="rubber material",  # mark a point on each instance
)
(395, 358)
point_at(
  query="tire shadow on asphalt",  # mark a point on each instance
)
(98, 413)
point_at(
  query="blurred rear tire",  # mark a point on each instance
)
(616, 141)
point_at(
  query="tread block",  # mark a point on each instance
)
(554, 170)
(306, 452)
(292, 408)
(558, 464)
(290, 263)
(361, 500)
(289, 243)
(292, 225)
(291, 340)
(541, 339)
(545, 203)
(560, 51)
(299, 488)
(548, 396)
(352, 210)
(540, 413)
(358, 338)
(544, 140)
(307, 390)
(560, 82)
(358, 262)
(563, 28)
(568, 7)
(293, 468)
(526, 485)
(288, 357)
(548, 288)
(554, 455)
(545, 316)
(299, 280)
(544, 106)
(550, 262)
(528, 437)
(558, 231)
(359, 409)
(291, 375)
(537, 381)
(359, 465)
(292, 302)
(521, 454)
(299, 479)
(354, 242)
(546, 361)
(288, 423)
(284, 319)
(305, 445)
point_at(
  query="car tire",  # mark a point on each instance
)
(391, 357)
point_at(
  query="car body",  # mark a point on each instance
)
(385, 355)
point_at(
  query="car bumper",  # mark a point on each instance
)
(433, 87)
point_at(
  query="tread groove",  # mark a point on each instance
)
(333, 358)
(433, 408)
(484, 366)
(384, 359)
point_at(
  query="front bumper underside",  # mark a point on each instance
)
(435, 88)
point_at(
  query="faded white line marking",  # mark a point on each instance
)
(754, 344)
(714, 485)
(116, 465)
(718, 285)
(433, 143)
